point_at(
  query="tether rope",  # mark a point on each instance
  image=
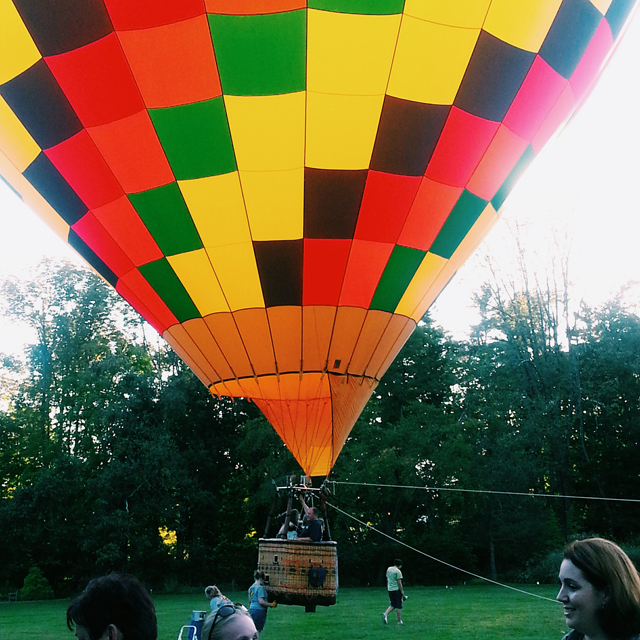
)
(475, 575)
(501, 493)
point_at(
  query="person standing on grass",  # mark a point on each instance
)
(258, 603)
(396, 591)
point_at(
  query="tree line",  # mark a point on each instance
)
(113, 456)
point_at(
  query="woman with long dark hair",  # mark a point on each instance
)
(600, 592)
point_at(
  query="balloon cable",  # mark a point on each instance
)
(475, 575)
(501, 493)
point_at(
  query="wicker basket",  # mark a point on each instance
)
(299, 572)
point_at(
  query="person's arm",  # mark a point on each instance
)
(400, 587)
(264, 602)
(304, 506)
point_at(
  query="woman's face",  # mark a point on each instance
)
(239, 627)
(580, 599)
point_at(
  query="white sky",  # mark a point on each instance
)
(586, 180)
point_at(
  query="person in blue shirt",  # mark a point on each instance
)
(313, 530)
(258, 603)
(215, 597)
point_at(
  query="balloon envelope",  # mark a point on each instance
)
(283, 187)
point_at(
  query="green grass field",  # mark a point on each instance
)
(459, 613)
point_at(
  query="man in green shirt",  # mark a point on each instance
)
(396, 591)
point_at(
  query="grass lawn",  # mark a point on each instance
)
(459, 613)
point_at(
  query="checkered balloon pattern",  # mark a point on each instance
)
(283, 187)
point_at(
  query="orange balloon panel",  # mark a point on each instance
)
(283, 187)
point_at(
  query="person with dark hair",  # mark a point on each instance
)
(258, 602)
(114, 607)
(313, 530)
(291, 533)
(229, 622)
(396, 591)
(600, 592)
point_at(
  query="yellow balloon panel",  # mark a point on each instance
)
(469, 14)
(237, 272)
(525, 24)
(350, 54)
(217, 208)
(198, 278)
(20, 148)
(17, 49)
(430, 61)
(425, 276)
(274, 201)
(267, 131)
(341, 130)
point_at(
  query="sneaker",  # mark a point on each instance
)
(384, 618)
(400, 622)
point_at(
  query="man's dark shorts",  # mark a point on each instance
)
(395, 599)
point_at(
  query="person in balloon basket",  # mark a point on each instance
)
(599, 591)
(258, 603)
(313, 529)
(291, 533)
(114, 607)
(396, 591)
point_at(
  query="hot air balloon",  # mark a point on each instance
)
(283, 187)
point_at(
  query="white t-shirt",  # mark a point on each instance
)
(393, 575)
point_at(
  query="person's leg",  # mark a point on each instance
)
(259, 617)
(399, 616)
(390, 608)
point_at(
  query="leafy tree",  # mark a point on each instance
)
(114, 456)
(36, 586)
